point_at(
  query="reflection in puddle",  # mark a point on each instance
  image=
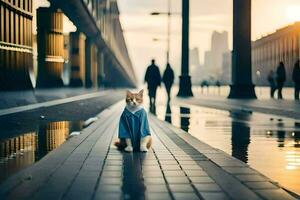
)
(25, 149)
(268, 143)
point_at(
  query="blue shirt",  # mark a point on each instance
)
(134, 126)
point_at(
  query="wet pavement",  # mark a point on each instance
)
(177, 167)
(26, 137)
(27, 148)
(268, 143)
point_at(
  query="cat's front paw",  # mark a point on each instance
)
(128, 149)
(143, 149)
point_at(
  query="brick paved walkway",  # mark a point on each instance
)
(178, 167)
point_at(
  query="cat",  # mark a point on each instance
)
(134, 132)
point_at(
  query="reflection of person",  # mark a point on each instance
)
(271, 81)
(296, 79)
(153, 79)
(281, 78)
(168, 79)
(168, 116)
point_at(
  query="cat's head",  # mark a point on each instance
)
(134, 99)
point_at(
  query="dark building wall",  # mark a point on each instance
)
(15, 44)
(50, 42)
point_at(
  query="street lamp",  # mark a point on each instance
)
(169, 27)
(185, 83)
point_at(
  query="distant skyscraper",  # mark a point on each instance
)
(213, 62)
(197, 70)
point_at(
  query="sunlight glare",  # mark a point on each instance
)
(293, 14)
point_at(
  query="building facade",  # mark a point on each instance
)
(15, 44)
(280, 46)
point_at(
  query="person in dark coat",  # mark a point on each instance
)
(272, 83)
(168, 79)
(153, 79)
(281, 78)
(296, 79)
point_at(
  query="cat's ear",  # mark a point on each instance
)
(141, 93)
(128, 93)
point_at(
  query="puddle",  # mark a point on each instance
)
(24, 149)
(268, 143)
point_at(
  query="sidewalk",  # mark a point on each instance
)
(286, 108)
(21, 98)
(14, 102)
(178, 166)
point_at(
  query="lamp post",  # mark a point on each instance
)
(185, 84)
(169, 28)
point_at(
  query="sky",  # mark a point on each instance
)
(140, 28)
(205, 16)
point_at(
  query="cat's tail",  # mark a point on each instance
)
(121, 144)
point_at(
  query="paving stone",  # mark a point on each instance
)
(170, 167)
(154, 174)
(168, 162)
(107, 195)
(113, 168)
(111, 174)
(185, 196)
(250, 178)
(181, 188)
(150, 168)
(201, 179)
(187, 162)
(109, 188)
(154, 180)
(158, 196)
(275, 194)
(110, 180)
(156, 188)
(193, 167)
(260, 185)
(207, 187)
(191, 173)
(240, 170)
(114, 162)
(177, 180)
(174, 173)
(214, 196)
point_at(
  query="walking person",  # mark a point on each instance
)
(281, 78)
(272, 84)
(296, 79)
(153, 79)
(168, 79)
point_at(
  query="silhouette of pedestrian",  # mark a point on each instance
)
(281, 78)
(153, 79)
(168, 79)
(296, 79)
(271, 81)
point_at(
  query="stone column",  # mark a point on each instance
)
(242, 86)
(16, 62)
(50, 41)
(185, 85)
(77, 57)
